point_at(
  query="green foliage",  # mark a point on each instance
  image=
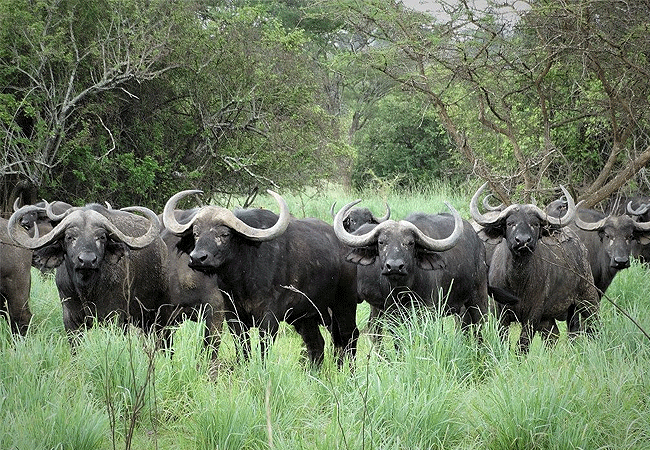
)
(229, 101)
(405, 143)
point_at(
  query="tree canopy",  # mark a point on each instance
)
(131, 100)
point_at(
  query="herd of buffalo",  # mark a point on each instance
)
(255, 268)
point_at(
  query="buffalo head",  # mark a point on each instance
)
(84, 237)
(36, 221)
(399, 246)
(356, 217)
(616, 233)
(521, 225)
(209, 233)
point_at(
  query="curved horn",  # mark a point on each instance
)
(145, 239)
(353, 240)
(485, 220)
(566, 219)
(16, 203)
(20, 236)
(54, 216)
(438, 245)
(332, 213)
(261, 234)
(169, 219)
(226, 217)
(488, 207)
(642, 209)
(589, 226)
(385, 217)
(642, 226)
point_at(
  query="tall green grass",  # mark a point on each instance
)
(441, 389)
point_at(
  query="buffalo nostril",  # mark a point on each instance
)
(87, 259)
(394, 266)
(523, 239)
(198, 257)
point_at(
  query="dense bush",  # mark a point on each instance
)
(404, 145)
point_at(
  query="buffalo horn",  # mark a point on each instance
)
(353, 240)
(488, 207)
(439, 245)
(642, 209)
(642, 226)
(386, 216)
(486, 220)
(589, 226)
(54, 216)
(425, 241)
(73, 216)
(568, 216)
(226, 217)
(139, 241)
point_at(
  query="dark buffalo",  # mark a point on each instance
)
(609, 240)
(356, 217)
(639, 208)
(15, 280)
(273, 268)
(415, 261)
(541, 262)
(37, 221)
(109, 263)
(192, 294)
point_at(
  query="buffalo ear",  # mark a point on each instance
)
(493, 231)
(364, 256)
(428, 260)
(48, 257)
(115, 251)
(643, 239)
(186, 243)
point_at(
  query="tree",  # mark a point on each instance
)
(514, 76)
(58, 58)
(404, 143)
(130, 100)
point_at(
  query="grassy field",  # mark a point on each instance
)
(442, 390)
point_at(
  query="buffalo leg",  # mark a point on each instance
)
(375, 326)
(18, 312)
(345, 335)
(526, 336)
(213, 315)
(313, 339)
(241, 334)
(549, 331)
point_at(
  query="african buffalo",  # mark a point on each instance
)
(639, 209)
(609, 240)
(37, 221)
(414, 261)
(541, 262)
(356, 217)
(109, 263)
(192, 294)
(273, 268)
(15, 281)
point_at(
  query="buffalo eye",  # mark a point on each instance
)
(409, 243)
